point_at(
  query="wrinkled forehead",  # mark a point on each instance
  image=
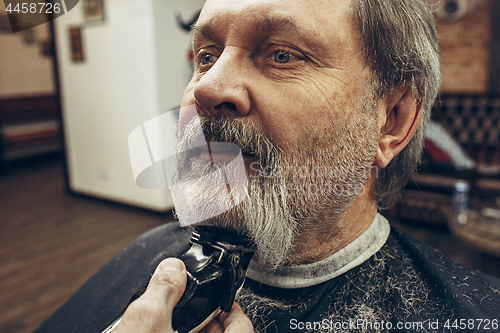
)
(315, 19)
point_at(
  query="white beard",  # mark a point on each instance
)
(281, 200)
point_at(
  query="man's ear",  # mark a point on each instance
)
(399, 117)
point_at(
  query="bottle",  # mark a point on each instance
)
(460, 203)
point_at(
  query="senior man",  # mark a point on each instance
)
(328, 101)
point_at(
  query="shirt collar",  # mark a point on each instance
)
(350, 256)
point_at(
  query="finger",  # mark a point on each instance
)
(168, 282)
(235, 321)
(152, 312)
(212, 327)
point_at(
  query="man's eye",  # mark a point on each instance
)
(282, 57)
(207, 59)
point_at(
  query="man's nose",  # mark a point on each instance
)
(223, 89)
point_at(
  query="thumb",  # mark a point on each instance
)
(152, 312)
(168, 282)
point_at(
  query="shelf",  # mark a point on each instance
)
(29, 126)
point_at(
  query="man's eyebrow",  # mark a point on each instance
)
(277, 25)
(265, 26)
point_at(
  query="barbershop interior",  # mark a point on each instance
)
(75, 89)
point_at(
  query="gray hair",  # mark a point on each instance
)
(399, 44)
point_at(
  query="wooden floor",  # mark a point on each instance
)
(51, 242)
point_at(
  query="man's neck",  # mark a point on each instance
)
(345, 259)
(318, 243)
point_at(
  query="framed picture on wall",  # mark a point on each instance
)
(75, 37)
(93, 11)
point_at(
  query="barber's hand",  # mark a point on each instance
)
(152, 312)
(233, 322)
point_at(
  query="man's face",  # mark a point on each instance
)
(290, 75)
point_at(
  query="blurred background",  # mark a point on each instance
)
(73, 89)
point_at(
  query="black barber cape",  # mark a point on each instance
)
(405, 286)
